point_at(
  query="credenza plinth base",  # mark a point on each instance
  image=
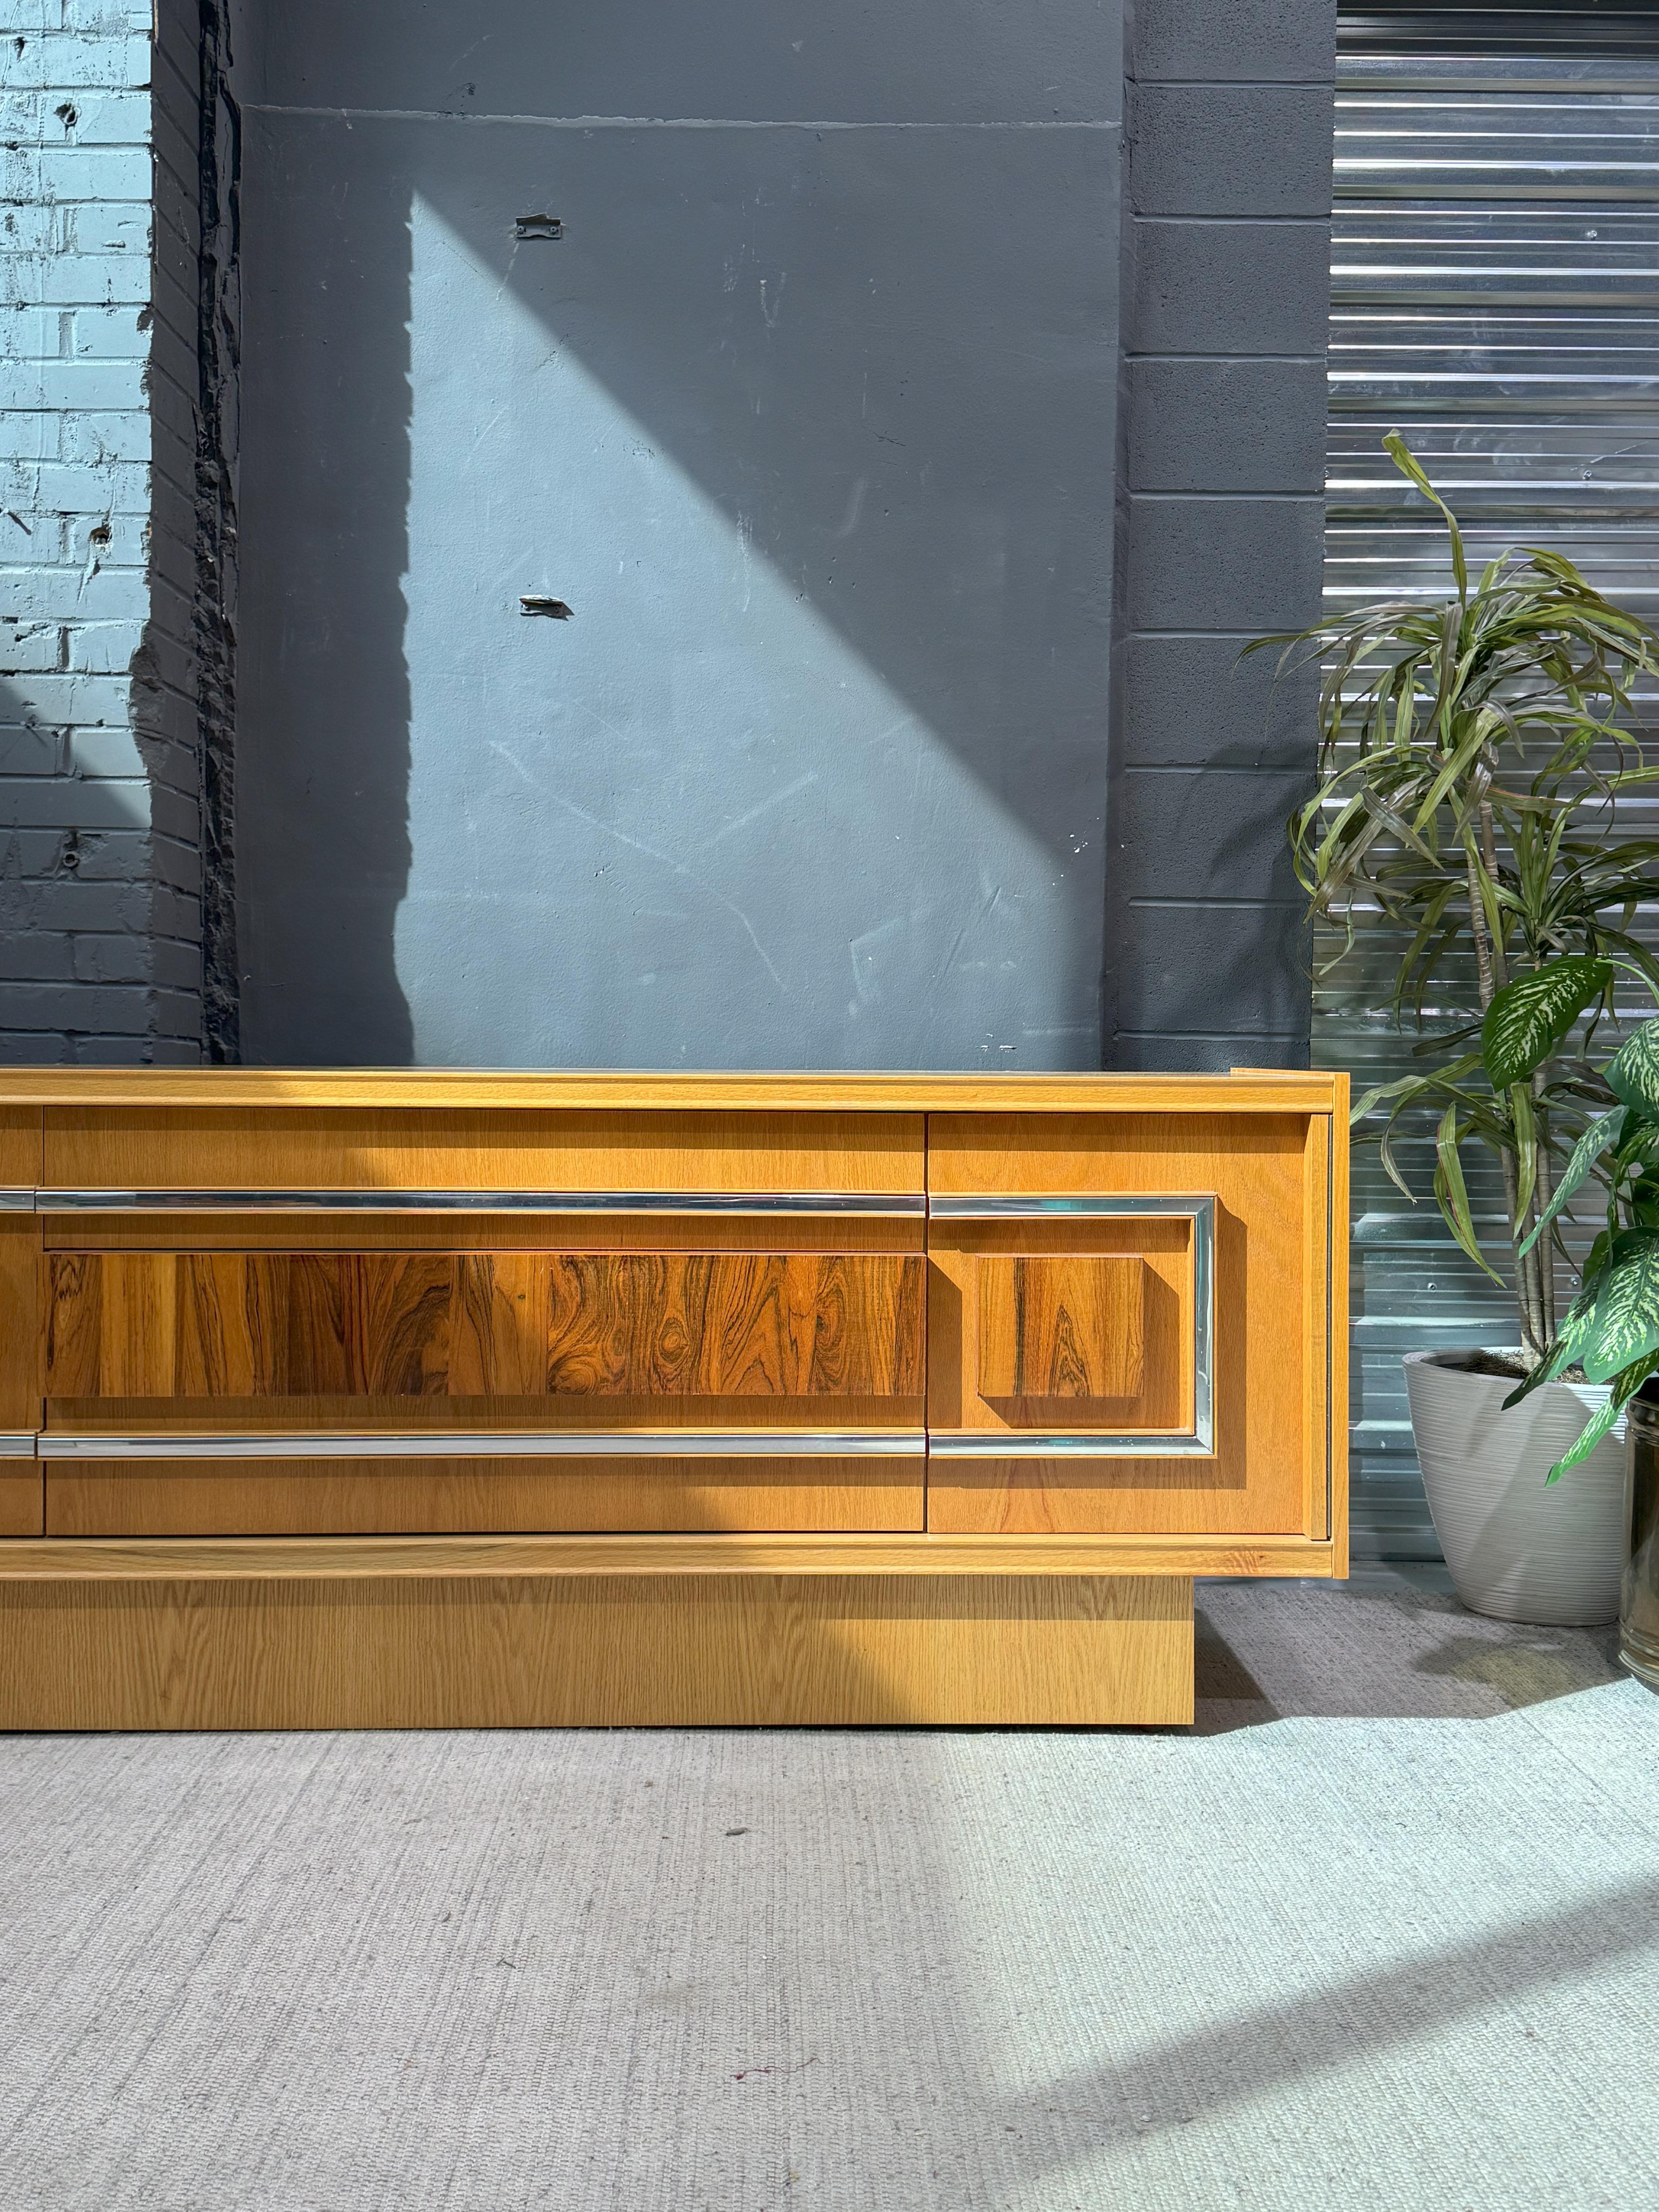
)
(598, 1651)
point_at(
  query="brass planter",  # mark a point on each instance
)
(1639, 1611)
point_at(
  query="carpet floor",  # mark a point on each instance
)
(1382, 1932)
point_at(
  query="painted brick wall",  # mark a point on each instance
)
(99, 805)
(1227, 252)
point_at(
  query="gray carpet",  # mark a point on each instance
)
(1383, 1932)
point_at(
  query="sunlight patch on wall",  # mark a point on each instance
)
(686, 822)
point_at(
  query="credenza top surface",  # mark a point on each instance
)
(1245, 1091)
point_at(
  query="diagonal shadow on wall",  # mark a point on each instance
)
(880, 364)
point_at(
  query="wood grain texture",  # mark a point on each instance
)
(21, 1146)
(22, 1498)
(755, 1651)
(1258, 1482)
(966, 1258)
(378, 1497)
(20, 1324)
(585, 1090)
(375, 1558)
(803, 1326)
(475, 1148)
(1317, 1329)
(1340, 1353)
(1069, 1326)
(730, 1326)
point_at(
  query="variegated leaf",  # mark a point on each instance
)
(1634, 1071)
(1625, 1324)
(1529, 1018)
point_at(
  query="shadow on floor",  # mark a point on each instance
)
(1392, 1643)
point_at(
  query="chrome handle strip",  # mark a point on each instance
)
(887, 1206)
(20, 1444)
(997, 1443)
(1199, 1440)
(16, 1201)
(560, 1444)
(1046, 1206)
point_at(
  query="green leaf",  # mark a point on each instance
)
(1606, 1417)
(1633, 1071)
(1625, 1325)
(1452, 1192)
(1569, 1342)
(1607, 1130)
(1529, 1018)
(1408, 465)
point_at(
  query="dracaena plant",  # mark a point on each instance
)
(1473, 749)
(1611, 1328)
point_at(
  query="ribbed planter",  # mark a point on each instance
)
(1517, 1547)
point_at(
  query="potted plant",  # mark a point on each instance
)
(1473, 750)
(1610, 1334)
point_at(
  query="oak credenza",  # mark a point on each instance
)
(430, 1399)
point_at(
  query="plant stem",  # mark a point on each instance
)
(1477, 927)
(1500, 966)
(1526, 1280)
(1544, 1249)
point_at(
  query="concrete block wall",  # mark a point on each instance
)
(99, 862)
(1227, 280)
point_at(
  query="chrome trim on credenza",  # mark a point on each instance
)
(19, 1444)
(1197, 1442)
(1017, 1444)
(866, 1205)
(16, 1201)
(431, 1443)
(1025, 1206)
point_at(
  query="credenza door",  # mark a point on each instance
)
(1129, 1325)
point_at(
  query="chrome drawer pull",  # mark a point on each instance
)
(567, 1443)
(20, 1444)
(997, 1443)
(883, 1205)
(16, 1201)
(996, 1206)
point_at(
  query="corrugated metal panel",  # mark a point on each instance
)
(1495, 296)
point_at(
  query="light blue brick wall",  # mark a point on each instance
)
(99, 803)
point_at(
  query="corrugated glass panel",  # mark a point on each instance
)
(1495, 296)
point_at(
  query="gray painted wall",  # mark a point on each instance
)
(912, 481)
(810, 418)
(1227, 254)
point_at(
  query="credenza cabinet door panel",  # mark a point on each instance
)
(579, 1329)
(1047, 1320)
(476, 1495)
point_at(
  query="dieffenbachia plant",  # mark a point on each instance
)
(1473, 749)
(1611, 1330)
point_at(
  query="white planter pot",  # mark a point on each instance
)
(1517, 1548)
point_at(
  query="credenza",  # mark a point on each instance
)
(425, 1399)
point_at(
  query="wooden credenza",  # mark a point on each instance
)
(430, 1399)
